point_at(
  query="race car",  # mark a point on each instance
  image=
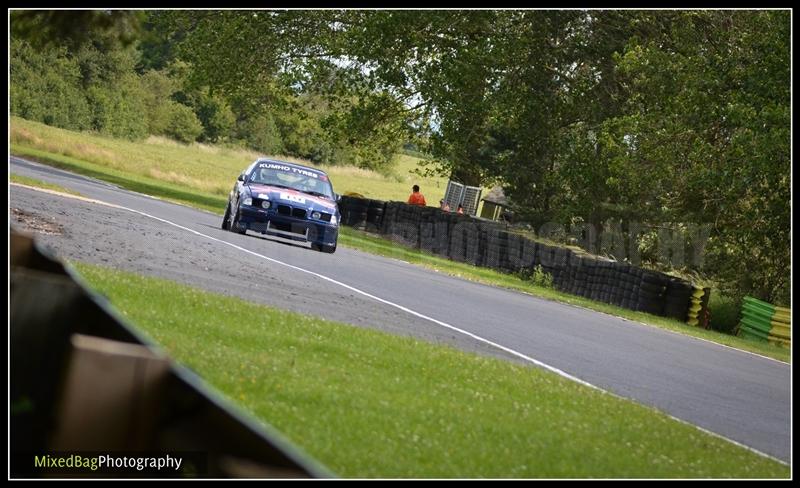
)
(285, 200)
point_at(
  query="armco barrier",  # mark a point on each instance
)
(765, 322)
(492, 245)
(83, 380)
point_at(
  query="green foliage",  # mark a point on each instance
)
(45, 87)
(302, 134)
(217, 118)
(725, 312)
(708, 107)
(656, 117)
(157, 90)
(183, 123)
(119, 111)
(260, 132)
(73, 28)
(537, 276)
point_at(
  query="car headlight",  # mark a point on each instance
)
(333, 220)
(247, 201)
(265, 204)
(316, 215)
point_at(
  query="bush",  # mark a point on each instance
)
(119, 110)
(260, 133)
(537, 276)
(45, 87)
(217, 118)
(724, 312)
(183, 125)
(158, 87)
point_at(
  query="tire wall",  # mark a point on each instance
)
(490, 244)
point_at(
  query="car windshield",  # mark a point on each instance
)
(294, 178)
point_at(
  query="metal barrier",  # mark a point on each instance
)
(765, 322)
(82, 380)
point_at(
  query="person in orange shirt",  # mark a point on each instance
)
(416, 198)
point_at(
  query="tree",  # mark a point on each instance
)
(74, 28)
(707, 128)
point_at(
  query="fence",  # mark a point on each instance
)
(493, 245)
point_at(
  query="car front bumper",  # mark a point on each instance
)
(269, 221)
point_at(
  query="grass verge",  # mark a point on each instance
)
(24, 180)
(369, 404)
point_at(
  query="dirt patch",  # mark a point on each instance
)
(36, 223)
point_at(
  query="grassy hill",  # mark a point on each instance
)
(209, 170)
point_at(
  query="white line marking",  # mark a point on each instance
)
(422, 316)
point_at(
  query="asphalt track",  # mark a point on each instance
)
(741, 396)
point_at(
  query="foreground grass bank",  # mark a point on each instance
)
(369, 404)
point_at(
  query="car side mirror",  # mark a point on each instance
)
(241, 177)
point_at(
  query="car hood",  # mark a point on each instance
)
(293, 197)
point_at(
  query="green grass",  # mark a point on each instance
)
(369, 404)
(24, 180)
(200, 176)
(360, 240)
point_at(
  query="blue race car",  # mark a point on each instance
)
(286, 200)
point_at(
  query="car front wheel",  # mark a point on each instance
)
(324, 248)
(234, 222)
(225, 218)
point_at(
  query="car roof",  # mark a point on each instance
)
(293, 165)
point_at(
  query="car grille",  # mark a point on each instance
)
(298, 213)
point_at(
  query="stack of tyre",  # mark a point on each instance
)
(496, 245)
(375, 212)
(652, 288)
(609, 276)
(464, 240)
(390, 217)
(676, 299)
(630, 283)
(578, 275)
(698, 307)
(604, 281)
(434, 232)
(354, 211)
(554, 261)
